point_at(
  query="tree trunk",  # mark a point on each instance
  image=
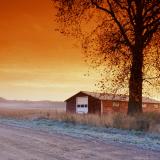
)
(135, 82)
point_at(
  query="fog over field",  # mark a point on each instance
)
(26, 104)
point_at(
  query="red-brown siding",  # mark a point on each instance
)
(151, 107)
(109, 108)
(123, 107)
(70, 105)
(94, 105)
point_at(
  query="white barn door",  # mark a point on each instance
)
(82, 105)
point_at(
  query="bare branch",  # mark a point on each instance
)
(100, 7)
(122, 29)
(152, 78)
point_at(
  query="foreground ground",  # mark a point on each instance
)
(20, 141)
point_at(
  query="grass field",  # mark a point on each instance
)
(146, 122)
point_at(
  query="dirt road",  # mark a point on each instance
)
(27, 144)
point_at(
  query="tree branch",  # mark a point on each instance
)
(131, 15)
(152, 78)
(149, 34)
(150, 9)
(123, 32)
(99, 7)
(112, 14)
(153, 23)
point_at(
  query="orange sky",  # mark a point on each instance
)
(37, 62)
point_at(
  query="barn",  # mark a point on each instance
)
(100, 103)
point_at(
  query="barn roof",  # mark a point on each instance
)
(116, 97)
(106, 96)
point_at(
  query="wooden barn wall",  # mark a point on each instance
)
(151, 107)
(94, 105)
(109, 108)
(123, 107)
(70, 105)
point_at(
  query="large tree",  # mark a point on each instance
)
(122, 34)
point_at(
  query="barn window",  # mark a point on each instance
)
(78, 106)
(156, 106)
(144, 105)
(115, 104)
(82, 105)
(85, 105)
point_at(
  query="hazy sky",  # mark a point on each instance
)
(36, 62)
